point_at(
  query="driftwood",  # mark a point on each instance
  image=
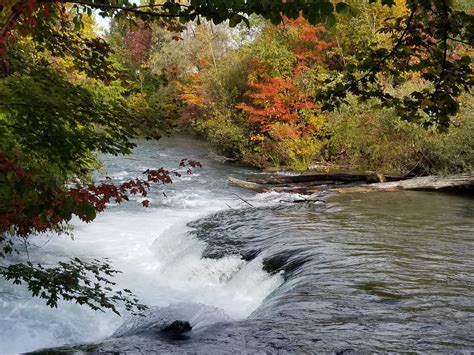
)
(321, 178)
(462, 181)
(453, 182)
(247, 185)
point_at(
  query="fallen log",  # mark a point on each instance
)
(248, 185)
(321, 178)
(301, 188)
(451, 182)
(463, 182)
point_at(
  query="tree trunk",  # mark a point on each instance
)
(324, 178)
(347, 184)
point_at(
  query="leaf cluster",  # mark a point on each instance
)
(59, 107)
(85, 283)
(431, 43)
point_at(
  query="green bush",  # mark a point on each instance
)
(225, 132)
(366, 138)
(301, 152)
(226, 84)
(271, 50)
(222, 87)
(452, 151)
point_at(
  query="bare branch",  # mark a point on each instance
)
(248, 203)
(460, 41)
(445, 51)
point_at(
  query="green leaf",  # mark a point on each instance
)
(343, 8)
(86, 211)
(389, 3)
(275, 18)
(234, 20)
(246, 21)
(327, 8)
(331, 20)
(313, 18)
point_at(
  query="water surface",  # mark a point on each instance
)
(364, 272)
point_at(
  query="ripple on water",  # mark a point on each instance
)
(383, 272)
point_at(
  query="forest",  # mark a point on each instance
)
(261, 95)
(351, 86)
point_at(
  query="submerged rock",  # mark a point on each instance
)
(174, 319)
(158, 329)
(178, 327)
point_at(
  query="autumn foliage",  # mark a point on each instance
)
(267, 117)
(307, 46)
(138, 43)
(278, 109)
(192, 94)
(39, 205)
(278, 99)
(275, 100)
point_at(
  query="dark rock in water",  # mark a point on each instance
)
(80, 349)
(157, 331)
(174, 319)
(177, 330)
(177, 327)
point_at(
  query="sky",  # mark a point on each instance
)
(104, 23)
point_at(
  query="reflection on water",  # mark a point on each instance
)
(376, 271)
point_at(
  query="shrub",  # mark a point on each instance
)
(452, 151)
(225, 132)
(365, 137)
(302, 151)
(368, 138)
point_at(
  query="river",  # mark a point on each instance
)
(363, 272)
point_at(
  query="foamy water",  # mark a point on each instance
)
(161, 261)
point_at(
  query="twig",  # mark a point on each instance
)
(25, 242)
(303, 200)
(392, 54)
(248, 203)
(418, 163)
(44, 244)
(11, 19)
(461, 41)
(445, 52)
(394, 50)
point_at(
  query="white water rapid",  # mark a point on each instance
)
(161, 262)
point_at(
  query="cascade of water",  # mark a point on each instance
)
(161, 262)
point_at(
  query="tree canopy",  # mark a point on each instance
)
(424, 41)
